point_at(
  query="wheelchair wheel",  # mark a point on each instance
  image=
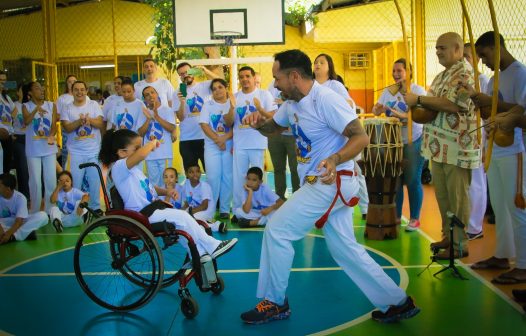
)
(118, 263)
(189, 307)
(219, 286)
(176, 260)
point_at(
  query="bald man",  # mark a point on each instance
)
(447, 141)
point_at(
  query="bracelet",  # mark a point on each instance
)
(418, 101)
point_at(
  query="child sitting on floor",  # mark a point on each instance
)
(259, 201)
(198, 198)
(66, 199)
(15, 221)
(170, 178)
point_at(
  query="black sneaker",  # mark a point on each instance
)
(266, 311)
(224, 247)
(224, 215)
(473, 236)
(57, 224)
(364, 216)
(31, 236)
(223, 228)
(243, 222)
(396, 313)
(233, 219)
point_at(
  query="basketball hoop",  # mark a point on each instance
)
(228, 36)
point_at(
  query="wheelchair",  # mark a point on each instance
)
(121, 260)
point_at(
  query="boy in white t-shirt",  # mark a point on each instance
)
(259, 202)
(15, 221)
(170, 178)
(198, 199)
(66, 199)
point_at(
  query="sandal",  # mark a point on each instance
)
(510, 278)
(491, 263)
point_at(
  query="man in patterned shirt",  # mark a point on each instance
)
(447, 140)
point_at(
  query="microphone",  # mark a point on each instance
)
(454, 220)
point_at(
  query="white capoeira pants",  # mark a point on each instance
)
(184, 222)
(263, 220)
(38, 166)
(363, 203)
(478, 199)
(510, 221)
(295, 218)
(244, 159)
(206, 215)
(155, 170)
(68, 220)
(220, 175)
(33, 222)
(90, 173)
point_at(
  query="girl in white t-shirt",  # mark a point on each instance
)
(82, 121)
(64, 100)
(123, 150)
(40, 117)
(392, 104)
(129, 112)
(325, 74)
(218, 145)
(66, 199)
(19, 146)
(170, 178)
(160, 125)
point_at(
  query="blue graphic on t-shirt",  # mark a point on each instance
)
(66, 207)
(155, 131)
(5, 114)
(124, 120)
(218, 123)
(145, 185)
(245, 110)
(6, 213)
(84, 131)
(41, 127)
(195, 104)
(303, 143)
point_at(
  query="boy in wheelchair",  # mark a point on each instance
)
(122, 150)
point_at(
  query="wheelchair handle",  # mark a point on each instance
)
(87, 164)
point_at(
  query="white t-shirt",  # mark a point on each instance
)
(397, 103)
(195, 196)
(64, 100)
(156, 131)
(129, 115)
(261, 198)
(109, 104)
(19, 127)
(512, 89)
(213, 114)
(245, 137)
(6, 108)
(38, 130)
(483, 81)
(197, 95)
(85, 139)
(164, 89)
(135, 188)
(276, 94)
(337, 87)
(66, 201)
(15, 207)
(317, 122)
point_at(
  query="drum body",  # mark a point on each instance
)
(382, 168)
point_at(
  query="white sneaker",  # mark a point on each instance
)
(414, 224)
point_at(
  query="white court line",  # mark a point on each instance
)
(479, 277)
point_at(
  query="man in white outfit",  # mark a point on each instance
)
(323, 123)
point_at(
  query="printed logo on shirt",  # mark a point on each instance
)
(147, 187)
(41, 128)
(5, 115)
(65, 206)
(6, 213)
(303, 143)
(218, 124)
(18, 122)
(84, 132)
(125, 120)
(243, 111)
(154, 132)
(398, 104)
(195, 105)
(191, 201)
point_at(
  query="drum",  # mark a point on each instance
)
(382, 167)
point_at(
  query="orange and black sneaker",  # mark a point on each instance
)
(266, 311)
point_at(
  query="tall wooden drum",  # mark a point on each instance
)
(382, 169)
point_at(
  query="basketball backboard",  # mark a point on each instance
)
(239, 22)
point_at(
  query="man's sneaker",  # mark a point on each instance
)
(414, 224)
(396, 313)
(266, 311)
(57, 224)
(224, 247)
(473, 236)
